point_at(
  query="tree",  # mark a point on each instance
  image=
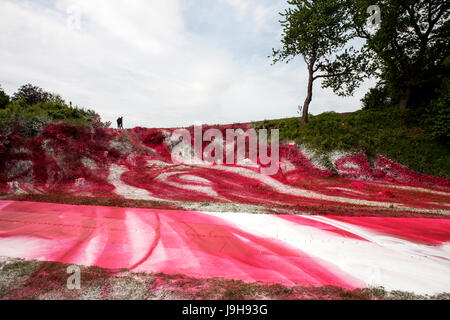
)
(33, 95)
(411, 44)
(319, 30)
(30, 94)
(55, 98)
(4, 99)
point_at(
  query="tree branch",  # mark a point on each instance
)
(329, 75)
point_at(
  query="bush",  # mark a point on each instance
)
(153, 138)
(32, 109)
(28, 120)
(376, 97)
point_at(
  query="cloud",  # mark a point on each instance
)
(157, 63)
(256, 11)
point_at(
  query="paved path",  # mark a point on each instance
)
(411, 254)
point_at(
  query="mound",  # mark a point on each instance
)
(137, 164)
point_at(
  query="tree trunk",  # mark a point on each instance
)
(308, 96)
(404, 100)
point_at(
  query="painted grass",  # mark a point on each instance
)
(21, 279)
(391, 132)
(297, 209)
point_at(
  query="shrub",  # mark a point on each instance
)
(32, 109)
(376, 97)
(28, 120)
(153, 137)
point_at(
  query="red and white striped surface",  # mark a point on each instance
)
(411, 254)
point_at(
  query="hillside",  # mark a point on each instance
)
(135, 164)
(332, 221)
(391, 132)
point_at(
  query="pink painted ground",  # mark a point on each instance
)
(399, 253)
(137, 164)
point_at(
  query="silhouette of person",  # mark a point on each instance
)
(120, 123)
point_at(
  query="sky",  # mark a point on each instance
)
(159, 63)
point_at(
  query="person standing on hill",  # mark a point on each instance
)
(120, 123)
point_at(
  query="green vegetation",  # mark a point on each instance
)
(389, 131)
(439, 114)
(31, 109)
(410, 45)
(4, 99)
(30, 119)
(14, 273)
(407, 50)
(407, 114)
(320, 31)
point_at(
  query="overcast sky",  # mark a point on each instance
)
(159, 63)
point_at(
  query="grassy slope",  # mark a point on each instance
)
(389, 132)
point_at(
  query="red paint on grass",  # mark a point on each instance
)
(171, 242)
(60, 162)
(321, 225)
(354, 166)
(186, 242)
(419, 230)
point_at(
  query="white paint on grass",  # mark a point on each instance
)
(413, 189)
(164, 177)
(286, 166)
(387, 261)
(91, 249)
(312, 156)
(5, 203)
(21, 246)
(192, 178)
(123, 189)
(159, 163)
(286, 189)
(347, 190)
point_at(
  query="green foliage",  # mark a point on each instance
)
(411, 45)
(387, 131)
(4, 99)
(32, 108)
(439, 114)
(311, 29)
(30, 94)
(377, 97)
(29, 120)
(319, 31)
